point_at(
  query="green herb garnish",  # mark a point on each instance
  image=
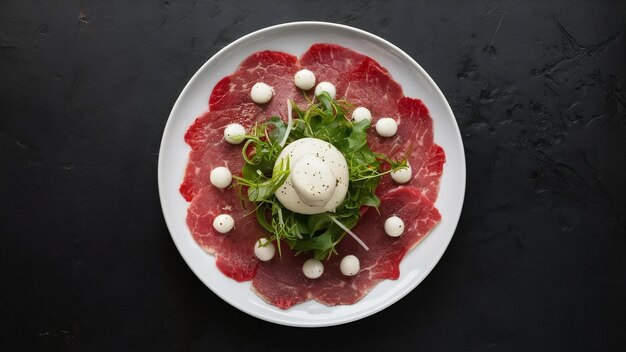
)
(324, 119)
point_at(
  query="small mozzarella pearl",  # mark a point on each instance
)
(359, 114)
(326, 87)
(402, 175)
(261, 93)
(313, 268)
(304, 79)
(223, 223)
(264, 250)
(394, 226)
(386, 127)
(221, 177)
(234, 133)
(349, 265)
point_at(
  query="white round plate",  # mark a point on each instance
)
(295, 38)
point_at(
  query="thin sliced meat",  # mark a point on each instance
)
(233, 250)
(274, 68)
(414, 136)
(209, 150)
(281, 282)
(428, 176)
(414, 141)
(331, 63)
(371, 86)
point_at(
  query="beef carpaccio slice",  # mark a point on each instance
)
(271, 67)
(232, 250)
(331, 63)
(363, 82)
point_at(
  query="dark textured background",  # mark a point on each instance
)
(538, 260)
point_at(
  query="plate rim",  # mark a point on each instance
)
(366, 312)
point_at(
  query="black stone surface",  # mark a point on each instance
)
(538, 259)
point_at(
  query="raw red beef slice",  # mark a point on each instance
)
(233, 250)
(414, 141)
(371, 86)
(209, 150)
(281, 282)
(414, 136)
(270, 67)
(331, 63)
(427, 177)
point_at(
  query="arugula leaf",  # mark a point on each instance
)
(358, 136)
(261, 187)
(277, 128)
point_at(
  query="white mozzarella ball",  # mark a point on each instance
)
(261, 93)
(221, 177)
(326, 87)
(386, 127)
(359, 114)
(402, 175)
(264, 250)
(394, 226)
(223, 223)
(313, 268)
(304, 79)
(349, 265)
(234, 133)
